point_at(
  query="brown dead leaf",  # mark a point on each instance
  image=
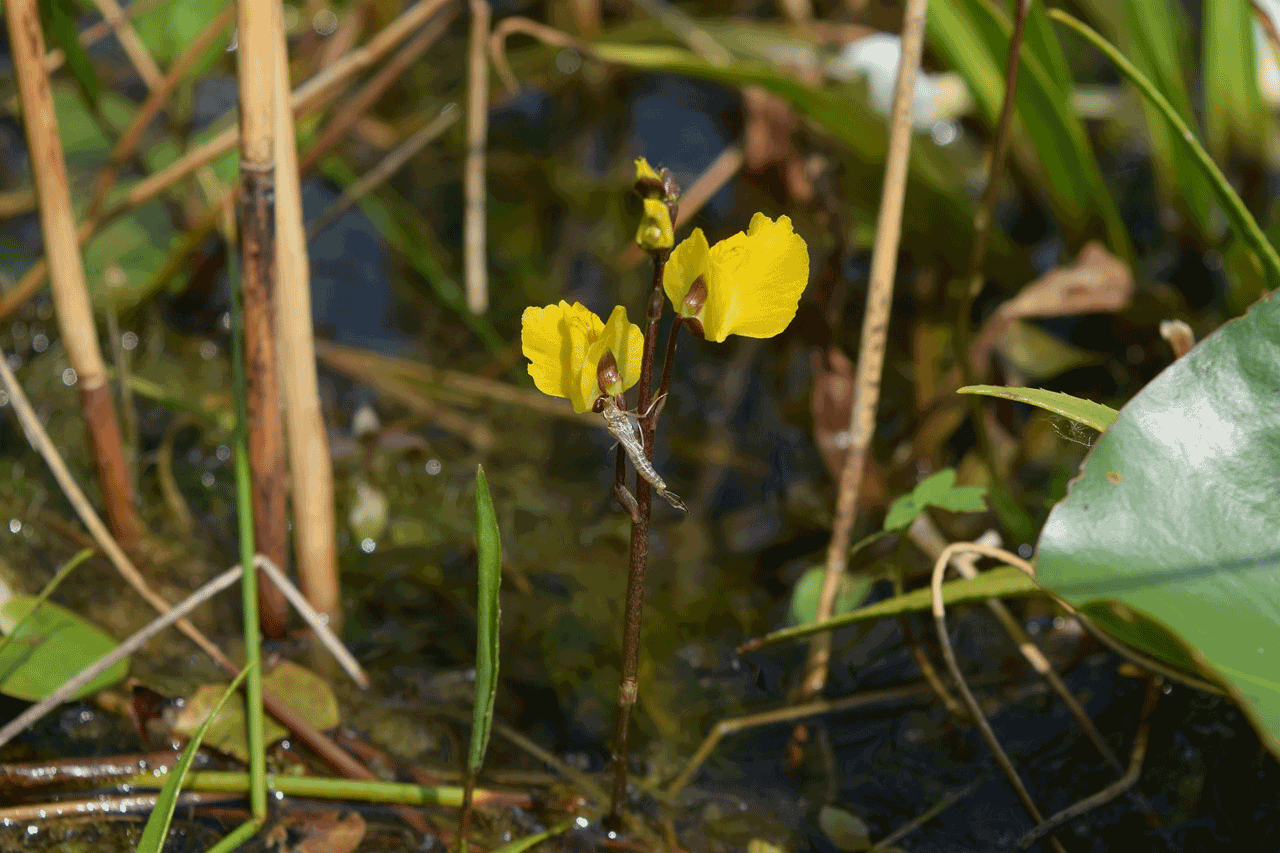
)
(1098, 282)
(318, 831)
(769, 123)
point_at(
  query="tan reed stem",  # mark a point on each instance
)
(62, 247)
(473, 227)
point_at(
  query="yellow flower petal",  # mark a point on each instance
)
(687, 262)
(755, 280)
(564, 344)
(626, 342)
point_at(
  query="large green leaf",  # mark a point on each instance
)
(1051, 144)
(1175, 512)
(47, 647)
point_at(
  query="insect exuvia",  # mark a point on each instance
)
(626, 429)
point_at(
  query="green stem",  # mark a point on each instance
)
(249, 578)
(325, 788)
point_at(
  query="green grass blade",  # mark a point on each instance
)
(489, 550)
(157, 828)
(254, 715)
(1050, 143)
(1000, 582)
(1087, 412)
(531, 841)
(1242, 222)
(1233, 107)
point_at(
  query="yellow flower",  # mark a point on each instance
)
(751, 282)
(565, 345)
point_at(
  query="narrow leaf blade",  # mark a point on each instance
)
(1087, 412)
(489, 552)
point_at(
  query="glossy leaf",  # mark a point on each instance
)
(48, 648)
(157, 828)
(1000, 582)
(938, 490)
(488, 615)
(1086, 412)
(1050, 144)
(1173, 516)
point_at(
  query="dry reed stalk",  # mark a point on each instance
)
(256, 69)
(353, 108)
(62, 247)
(306, 98)
(312, 477)
(875, 328)
(473, 234)
(137, 52)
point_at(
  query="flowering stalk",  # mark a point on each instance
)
(749, 285)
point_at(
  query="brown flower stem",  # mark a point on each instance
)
(673, 337)
(639, 561)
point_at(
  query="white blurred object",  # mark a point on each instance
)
(1268, 72)
(938, 97)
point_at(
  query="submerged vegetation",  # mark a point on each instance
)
(916, 287)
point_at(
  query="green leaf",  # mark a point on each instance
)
(1242, 222)
(157, 828)
(1174, 515)
(1000, 582)
(489, 552)
(48, 648)
(1050, 142)
(1233, 106)
(939, 490)
(59, 22)
(805, 595)
(1086, 412)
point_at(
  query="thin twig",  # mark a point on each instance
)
(1115, 789)
(788, 714)
(317, 621)
(474, 246)
(949, 655)
(139, 57)
(99, 808)
(964, 565)
(388, 166)
(76, 682)
(306, 98)
(354, 107)
(929, 814)
(534, 29)
(875, 328)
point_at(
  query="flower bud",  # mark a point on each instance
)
(648, 182)
(656, 231)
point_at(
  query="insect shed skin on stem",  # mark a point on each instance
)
(624, 427)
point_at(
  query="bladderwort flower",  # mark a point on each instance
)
(576, 355)
(748, 284)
